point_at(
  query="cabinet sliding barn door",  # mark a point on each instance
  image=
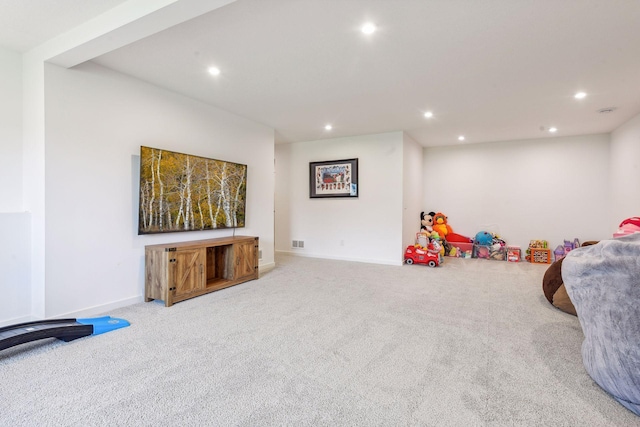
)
(188, 271)
(246, 255)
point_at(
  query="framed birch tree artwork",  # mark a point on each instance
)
(181, 192)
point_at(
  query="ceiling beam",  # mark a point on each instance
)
(127, 23)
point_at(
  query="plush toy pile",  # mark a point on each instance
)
(603, 282)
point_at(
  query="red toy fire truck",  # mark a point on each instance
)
(419, 255)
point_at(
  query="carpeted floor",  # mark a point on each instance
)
(324, 343)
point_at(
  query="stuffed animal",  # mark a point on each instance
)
(483, 238)
(426, 223)
(450, 236)
(440, 225)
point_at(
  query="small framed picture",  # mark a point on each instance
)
(333, 178)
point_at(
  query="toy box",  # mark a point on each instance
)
(498, 253)
(514, 254)
(462, 247)
(481, 251)
(495, 252)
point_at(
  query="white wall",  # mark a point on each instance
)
(551, 189)
(15, 304)
(95, 123)
(14, 222)
(10, 131)
(625, 172)
(367, 228)
(411, 189)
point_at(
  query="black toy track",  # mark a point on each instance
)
(63, 329)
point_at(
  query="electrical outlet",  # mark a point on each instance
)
(294, 243)
(301, 244)
(297, 244)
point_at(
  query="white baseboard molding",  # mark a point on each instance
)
(265, 268)
(338, 258)
(101, 309)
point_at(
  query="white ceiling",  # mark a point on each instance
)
(492, 70)
(25, 24)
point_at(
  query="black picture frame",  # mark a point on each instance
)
(333, 178)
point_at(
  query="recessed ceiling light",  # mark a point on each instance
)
(461, 138)
(368, 28)
(553, 130)
(428, 114)
(214, 71)
(328, 127)
(580, 95)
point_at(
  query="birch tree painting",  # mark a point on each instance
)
(180, 192)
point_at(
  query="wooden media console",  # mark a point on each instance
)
(178, 271)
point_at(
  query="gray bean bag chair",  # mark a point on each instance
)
(603, 282)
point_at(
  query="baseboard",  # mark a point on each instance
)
(338, 258)
(100, 309)
(265, 268)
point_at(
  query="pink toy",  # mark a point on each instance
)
(628, 226)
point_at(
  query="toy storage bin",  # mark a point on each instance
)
(481, 251)
(462, 247)
(489, 252)
(497, 253)
(514, 254)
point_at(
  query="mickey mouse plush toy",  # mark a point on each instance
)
(426, 223)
